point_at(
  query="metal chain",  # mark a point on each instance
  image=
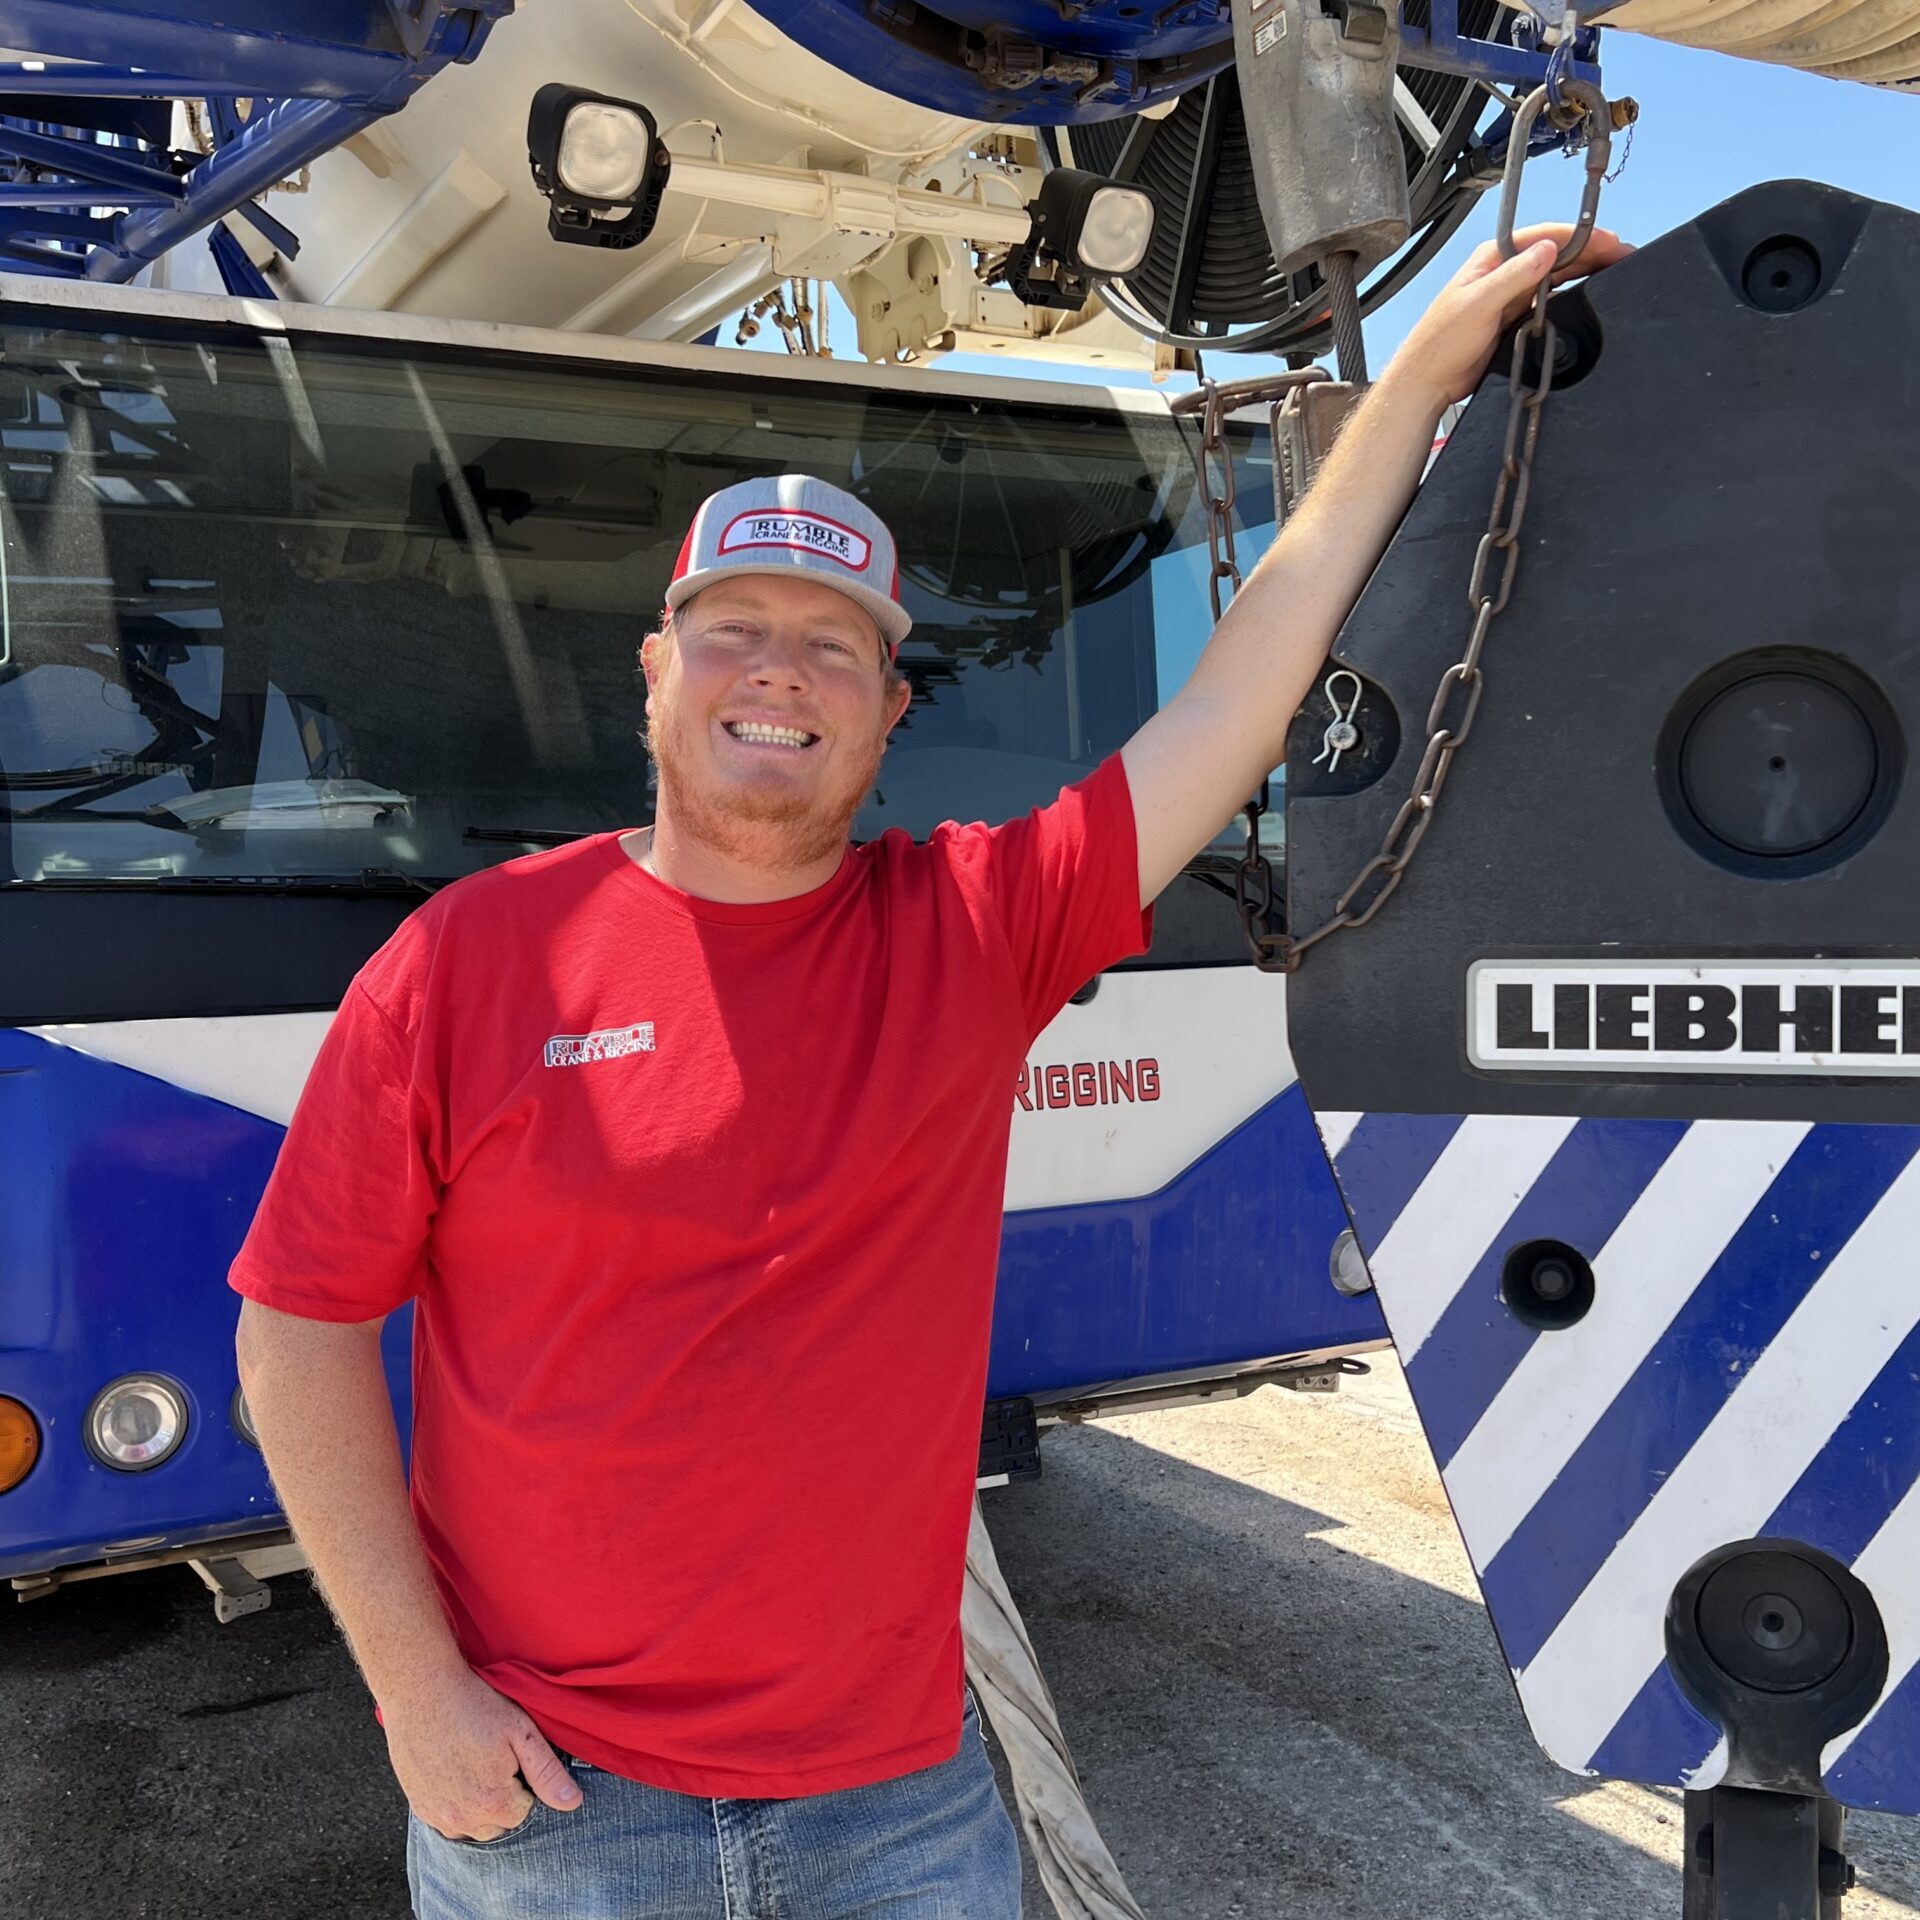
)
(1253, 876)
(1216, 457)
(1213, 459)
(1456, 701)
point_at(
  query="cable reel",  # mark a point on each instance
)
(1210, 279)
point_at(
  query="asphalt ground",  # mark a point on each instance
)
(1257, 1619)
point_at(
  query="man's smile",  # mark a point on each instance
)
(762, 733)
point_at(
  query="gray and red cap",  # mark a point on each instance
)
(792, 525)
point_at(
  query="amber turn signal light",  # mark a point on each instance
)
(19, 1443)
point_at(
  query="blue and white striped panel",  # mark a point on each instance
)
(1750, 1366)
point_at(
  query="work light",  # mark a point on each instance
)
(1085, 228)
(600, 163)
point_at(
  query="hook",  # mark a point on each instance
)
(1341, 736)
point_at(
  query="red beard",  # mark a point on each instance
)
(774, 831)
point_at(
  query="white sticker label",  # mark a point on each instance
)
(1269, 33)
(1838, 1018)
(807, 532)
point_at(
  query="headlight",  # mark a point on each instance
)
(136, 1422)
(242, 1417)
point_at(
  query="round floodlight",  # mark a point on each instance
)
(605, 151)
(1117, 231)
(242, 1417)
(136, 1422)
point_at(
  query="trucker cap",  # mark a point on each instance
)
(791, 523)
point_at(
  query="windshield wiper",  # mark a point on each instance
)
(1215, 870)
(392, 880)
(522, 837)
(369, 880)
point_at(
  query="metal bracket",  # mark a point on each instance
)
(238, 1582)
(262, 1556)
(1305, 423)
(1361, 22)
(1441, 46)
(1301, 1376)
(1009, 1444)
(235, 1591)
(822, 224)
(1311, 1379)
(1753, 1855)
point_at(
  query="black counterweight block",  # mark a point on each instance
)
(1700, 704)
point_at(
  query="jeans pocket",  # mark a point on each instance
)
(499, 1839)
(971, 1716)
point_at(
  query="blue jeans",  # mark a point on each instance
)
(933, 1845)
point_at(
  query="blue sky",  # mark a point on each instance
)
(1709, 126)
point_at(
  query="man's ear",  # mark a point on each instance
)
(902, 699)
(650, 657)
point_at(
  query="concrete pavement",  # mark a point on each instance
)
(1257, 1618)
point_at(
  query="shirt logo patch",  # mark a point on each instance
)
(806, 532)
(610, 1043)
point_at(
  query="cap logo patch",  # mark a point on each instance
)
(802, 532)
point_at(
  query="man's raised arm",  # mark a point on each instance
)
(1194, 765)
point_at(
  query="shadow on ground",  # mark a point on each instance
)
(165, 1767)
(1270, 1723)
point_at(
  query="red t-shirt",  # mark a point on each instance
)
(700, 1206)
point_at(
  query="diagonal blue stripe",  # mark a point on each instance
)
(1842, 1500)
(1660, 1739)
(1878, 1770)
(1583, 1194)
(1383, 1163)
(1815, 1204)
(1857, 1479)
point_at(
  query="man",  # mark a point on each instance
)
(689, 1145)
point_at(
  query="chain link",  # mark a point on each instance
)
(1456, 701)
(1253, 877)
(1213, 460)
(1212, 457)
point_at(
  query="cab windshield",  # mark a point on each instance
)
(281, 607)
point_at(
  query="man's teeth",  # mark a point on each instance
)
(759, 733)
